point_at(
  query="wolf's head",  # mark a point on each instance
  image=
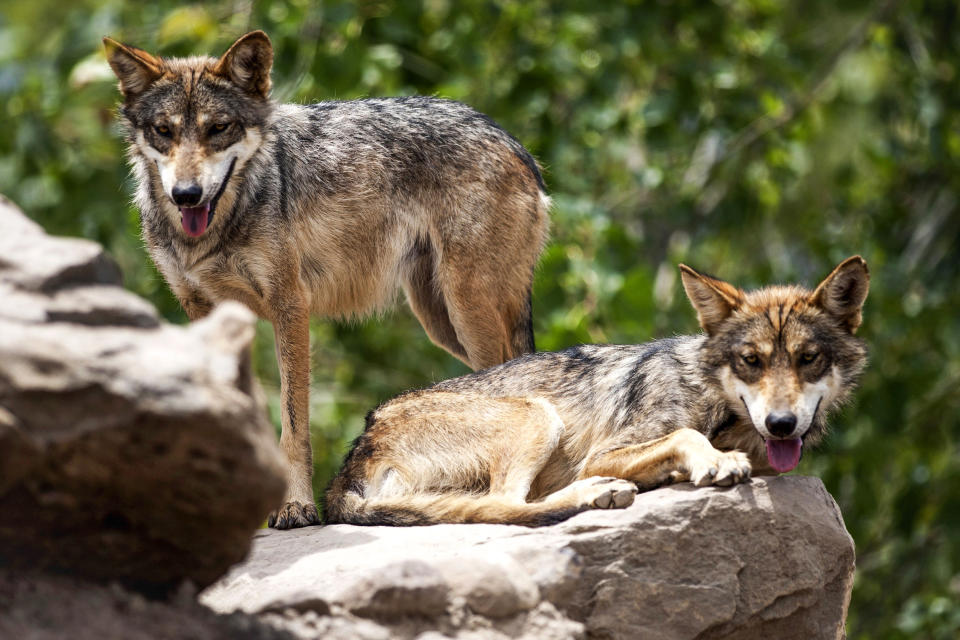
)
(194, 121)
(784, 355)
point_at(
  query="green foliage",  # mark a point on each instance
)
(761, 140)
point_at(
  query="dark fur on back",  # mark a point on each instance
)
(408, 146)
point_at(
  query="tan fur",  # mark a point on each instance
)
(464, 457)
(330, 210)
(497, 480)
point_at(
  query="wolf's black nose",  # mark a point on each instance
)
(781, 423)
(187, 194)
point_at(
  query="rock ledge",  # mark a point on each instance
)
(768, 559)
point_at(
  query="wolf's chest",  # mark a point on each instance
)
(220, 278)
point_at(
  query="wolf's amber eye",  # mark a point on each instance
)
(220, 127)
(751, 359)
(807, 358)
(163, 130)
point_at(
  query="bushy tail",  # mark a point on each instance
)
(425, 509)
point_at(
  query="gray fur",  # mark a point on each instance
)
(516, 442)
(329, 209)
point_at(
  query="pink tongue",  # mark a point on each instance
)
(194, 219)
(784, 455)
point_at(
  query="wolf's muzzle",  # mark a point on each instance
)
(187, 194)
(781, 424)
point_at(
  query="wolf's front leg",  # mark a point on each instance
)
(292, 331)
(683, 455)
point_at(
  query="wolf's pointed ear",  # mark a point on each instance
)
(247, 63)
(135, 68)
(713, 299)
(842, 293)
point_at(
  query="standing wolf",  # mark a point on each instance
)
(329, 209)
(548, 435)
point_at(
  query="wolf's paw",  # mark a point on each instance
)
(720, 468)
(601, 492)
(293, 515)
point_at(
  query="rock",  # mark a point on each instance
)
(36, 262)
(492, 590)
(101, 306)
(41, 607)
(768, 559)
(406, 588)
(130, 449)
(326, 627)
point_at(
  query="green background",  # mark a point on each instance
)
(761, 140)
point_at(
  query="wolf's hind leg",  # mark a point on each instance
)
(540, 427)
(436, 508)
(596, 492)
(490, 308)
(433, 457)
(486, 263)
(427, 301)
(439, 442)
(683, 455)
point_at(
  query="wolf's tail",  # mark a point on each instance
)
(424, 509)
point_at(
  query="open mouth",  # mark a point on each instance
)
(195, 220)
(784, 455)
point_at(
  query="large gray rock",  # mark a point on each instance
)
(768, 559)
(44, 607)
(130, 449)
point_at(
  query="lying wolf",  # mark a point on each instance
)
(328, 209)
(548, 435)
